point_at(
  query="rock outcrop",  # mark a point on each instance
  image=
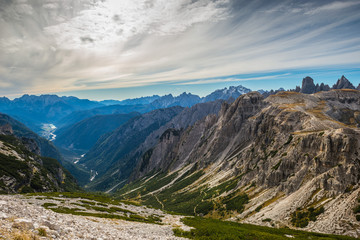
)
(6, 129)
(308, 86)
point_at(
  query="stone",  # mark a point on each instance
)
(3, 215)
(23, 224)
(51, 225)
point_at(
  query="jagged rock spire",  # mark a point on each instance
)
(342, 83)
(308, 86)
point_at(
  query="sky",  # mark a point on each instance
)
(112, 49)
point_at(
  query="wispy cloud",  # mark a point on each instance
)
(333, 6)
(231, 79)
(74, 45)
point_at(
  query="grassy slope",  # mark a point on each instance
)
(211, 229)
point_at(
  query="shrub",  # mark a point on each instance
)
(301, 218)
(42, 232)
(205, 207)
(357, 209)
(47, 205)
(289, 140)
(258, 208)
(237, 203)
(211, 229)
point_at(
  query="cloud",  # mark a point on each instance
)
(82, 44)
(232, 79)
(333, 6)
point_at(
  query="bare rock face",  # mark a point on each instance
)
(322, 87)
(31, 145)
(308, 86)
(343, 83)
(289, 151)
(172, 129)
(6, 129)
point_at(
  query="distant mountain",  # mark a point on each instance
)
(225, 94)
(133, 101)
(35, 110)
(22, 169)
(84, 134)
(105, 110)
(183, 100)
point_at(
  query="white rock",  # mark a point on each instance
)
(3, 215)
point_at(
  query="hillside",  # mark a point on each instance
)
(119, 152)
(78, 116)
(82, 135)
(290, 160)
(47, 148)
(115, 152)
(22, 170)
(69, 216)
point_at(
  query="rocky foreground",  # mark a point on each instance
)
(23, 217)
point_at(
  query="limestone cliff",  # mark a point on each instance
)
(287, 156)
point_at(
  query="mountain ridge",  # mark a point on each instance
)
(277, 157)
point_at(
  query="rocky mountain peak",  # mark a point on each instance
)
(308, 85)
(233, 92)
(343, 83)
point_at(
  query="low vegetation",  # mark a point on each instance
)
(211, 229)
(131, 217)
(357, 211)
(179, 198)
(301, 218)
(89, 204)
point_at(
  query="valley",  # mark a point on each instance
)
(281, 160)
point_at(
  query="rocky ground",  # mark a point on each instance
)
(24, 217)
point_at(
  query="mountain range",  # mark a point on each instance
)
(34, 111)
(274, 158)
